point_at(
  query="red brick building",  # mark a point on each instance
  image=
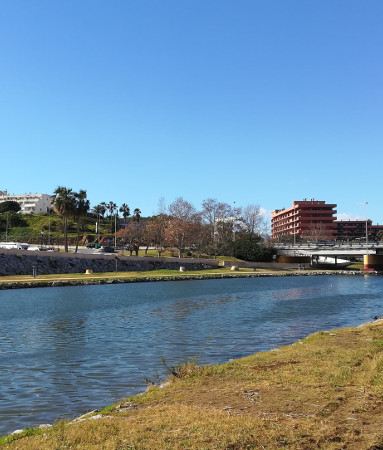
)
(307, 219)
(348, 230)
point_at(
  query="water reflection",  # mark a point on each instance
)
(66, 350)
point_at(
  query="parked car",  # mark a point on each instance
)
(107, 249)
(14, 246)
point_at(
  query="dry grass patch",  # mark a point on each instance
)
(323, 392)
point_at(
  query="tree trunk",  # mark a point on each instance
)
(66, 234)
(78, 235)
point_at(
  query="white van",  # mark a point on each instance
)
(14, 246)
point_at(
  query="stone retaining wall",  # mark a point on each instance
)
(16, 262)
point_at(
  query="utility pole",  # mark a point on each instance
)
(115, 231)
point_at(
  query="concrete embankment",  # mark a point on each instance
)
(20, 282)
(18, 262)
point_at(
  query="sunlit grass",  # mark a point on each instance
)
(325, 391)
(149, 275)
(162, 273)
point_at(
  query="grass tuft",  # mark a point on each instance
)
(325, 393)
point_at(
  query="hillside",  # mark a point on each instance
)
(41, 228)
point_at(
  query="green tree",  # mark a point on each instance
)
(252, 248)
(9, 206)
(81, 209)
(64, 206)
(137, 215)
(125, 211)
(99, 211)
(111, 208)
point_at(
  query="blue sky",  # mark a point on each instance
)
(246, 101)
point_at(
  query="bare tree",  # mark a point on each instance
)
(319, 231)
(183, 224)
(161, 208)
(253, 219)
(219, 217)
(156, 231)
(132, 236)
(213, 210)
(182, 209)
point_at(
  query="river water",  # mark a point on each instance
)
(66, 350)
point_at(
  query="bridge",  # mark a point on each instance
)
(371, 253)
(351, 250)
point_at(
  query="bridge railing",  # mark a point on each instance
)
(354, 245)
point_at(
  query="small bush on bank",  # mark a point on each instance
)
(250, 249)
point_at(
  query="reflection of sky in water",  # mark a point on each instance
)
(65, 350)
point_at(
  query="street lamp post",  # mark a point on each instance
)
(234, 219)
(49, 227)
(115, 231)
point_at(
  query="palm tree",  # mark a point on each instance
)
(81, 209)
(63, 204)
(137, 215)
(125, 210)
(111, 207)
(99, 210)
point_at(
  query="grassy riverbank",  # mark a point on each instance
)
(325, 391)
(22, 281)
(118, 277)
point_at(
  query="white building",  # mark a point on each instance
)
(30, 203)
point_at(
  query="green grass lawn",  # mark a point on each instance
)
(355, 266)
(163, 273)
